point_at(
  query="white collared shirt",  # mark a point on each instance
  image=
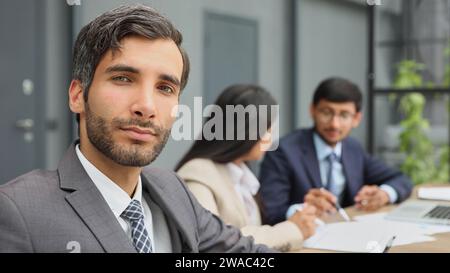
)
(246, 185)
(116, 198)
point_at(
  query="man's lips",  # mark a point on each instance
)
(332, 132)
(139, 130)
(142, 134)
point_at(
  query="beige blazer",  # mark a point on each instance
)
(211, 184)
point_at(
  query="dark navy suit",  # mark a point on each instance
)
(288, 173)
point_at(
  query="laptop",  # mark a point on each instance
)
(422, 212)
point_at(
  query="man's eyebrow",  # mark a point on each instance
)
(126, 68)
(122, 68)
(172, 79)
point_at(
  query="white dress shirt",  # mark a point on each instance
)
(117, 199)
(246, 185)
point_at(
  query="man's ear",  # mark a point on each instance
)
(357, 119)
(76, 98)
(311, 110)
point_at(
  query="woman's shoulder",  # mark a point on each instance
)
(197, 164)
(201, 170)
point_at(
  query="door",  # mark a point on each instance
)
(231, 53)
(19, 87)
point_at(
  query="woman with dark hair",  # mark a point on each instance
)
(215, 168)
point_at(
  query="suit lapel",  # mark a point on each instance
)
(185, 240)
(96, 214)
(90, 205)
(175, 237)
(309, 158)
(350, 164)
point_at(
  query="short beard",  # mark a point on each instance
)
(323, 138)
(99, 133)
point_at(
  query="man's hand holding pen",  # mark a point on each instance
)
(325, 202)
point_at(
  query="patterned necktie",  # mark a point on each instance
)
(135, 216)
(331, 158)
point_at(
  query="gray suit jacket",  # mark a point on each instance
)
(63, 211)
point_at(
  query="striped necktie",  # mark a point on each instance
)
(135, 216)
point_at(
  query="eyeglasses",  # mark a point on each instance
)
(327, 115)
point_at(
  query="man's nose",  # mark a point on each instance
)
(144, 104)
(335, 121)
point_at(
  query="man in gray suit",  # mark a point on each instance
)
(128, 72)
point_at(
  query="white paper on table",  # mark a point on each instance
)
(434, 193)
(351, 237)
(371, 233)
(407, 232)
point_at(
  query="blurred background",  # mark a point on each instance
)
(397, 51)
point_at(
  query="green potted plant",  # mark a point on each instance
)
(421, 163)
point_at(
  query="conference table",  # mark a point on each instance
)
(440, 245)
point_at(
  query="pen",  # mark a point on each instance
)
(389, 244)
(340, 210)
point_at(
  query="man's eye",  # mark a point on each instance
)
(166, 89)
(346, 115)
(121, 79)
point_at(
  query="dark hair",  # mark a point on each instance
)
(338, 90)
(106, 32)
(224, 151)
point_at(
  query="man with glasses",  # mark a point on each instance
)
(325, 167)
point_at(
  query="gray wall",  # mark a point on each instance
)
(273, 73)
(57, 58)
(331, 41)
